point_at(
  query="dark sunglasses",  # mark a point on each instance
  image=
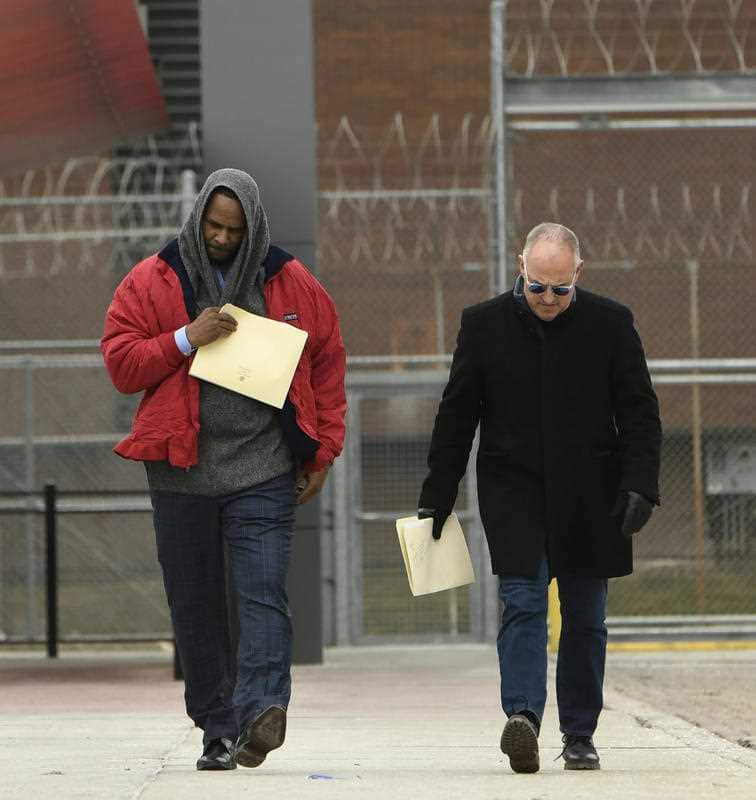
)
(534, 287)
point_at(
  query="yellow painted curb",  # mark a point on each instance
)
(689, 646)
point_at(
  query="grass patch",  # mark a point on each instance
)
(390, 609)
(675, 589)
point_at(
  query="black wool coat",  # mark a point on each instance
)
(568, 417)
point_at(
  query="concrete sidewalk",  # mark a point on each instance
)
(378, 722)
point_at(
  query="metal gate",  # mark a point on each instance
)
(696, 556)
(376, 481)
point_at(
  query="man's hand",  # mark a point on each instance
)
(309, 484)
(635, 509)
(438, 516)
(210, 325)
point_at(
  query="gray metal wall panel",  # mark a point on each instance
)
(258, 114)
(258, 107)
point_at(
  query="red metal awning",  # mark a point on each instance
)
(76, 78)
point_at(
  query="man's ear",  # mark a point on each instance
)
(521, 265)
(578, 271)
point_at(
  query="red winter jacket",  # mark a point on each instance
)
(156, 298)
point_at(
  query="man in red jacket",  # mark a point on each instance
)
(221, 466)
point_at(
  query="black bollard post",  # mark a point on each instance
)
(51, 542)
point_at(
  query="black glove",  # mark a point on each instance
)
(438, 517)
(635, 509)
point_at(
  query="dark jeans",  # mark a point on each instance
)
(257, 524)
(582, 648)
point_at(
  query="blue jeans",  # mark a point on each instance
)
(257, 524)
(582, 648)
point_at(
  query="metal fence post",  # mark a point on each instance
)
(341, 511)
(188, 193)
(51, 569)
(699, 512)
(356, 531)
(30, 481)
(328, 581)
(499, 124)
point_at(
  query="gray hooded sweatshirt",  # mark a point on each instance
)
(241, 442)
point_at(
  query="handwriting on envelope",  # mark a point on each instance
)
(417, 550)
(257, 360)
(433, 565)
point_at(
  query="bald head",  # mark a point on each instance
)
(555, 233)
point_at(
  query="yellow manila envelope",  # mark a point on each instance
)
(434, 565)
(257, 360)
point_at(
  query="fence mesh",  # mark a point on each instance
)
(393, 437)
(665, 219)
(666, 224)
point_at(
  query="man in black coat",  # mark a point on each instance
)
(568, 467)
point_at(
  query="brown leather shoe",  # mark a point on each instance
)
(265, 733)
(519, 741)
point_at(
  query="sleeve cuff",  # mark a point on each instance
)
(182, 342)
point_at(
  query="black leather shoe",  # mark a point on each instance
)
(579, 753)
(218, 754)
(519, 741)
(265, 733)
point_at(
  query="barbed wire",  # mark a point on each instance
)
(619, 37)
(410, 194)
(406, 155)
(664, 225)
(84, 177)
(92, 210)
(439, 206)
(396, 233)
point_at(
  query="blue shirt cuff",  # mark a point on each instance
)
(182, 342)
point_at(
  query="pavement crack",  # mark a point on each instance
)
(185, 734)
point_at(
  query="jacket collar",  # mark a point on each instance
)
(274, 262)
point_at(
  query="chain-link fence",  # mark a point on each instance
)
(696, 557)
(666, 222)
(61, 419)
(406, 237)
(404, 228)
(692, 558)
(665, 218)
(68, 234)
(659, 191)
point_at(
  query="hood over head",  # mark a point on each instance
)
(247, 263)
